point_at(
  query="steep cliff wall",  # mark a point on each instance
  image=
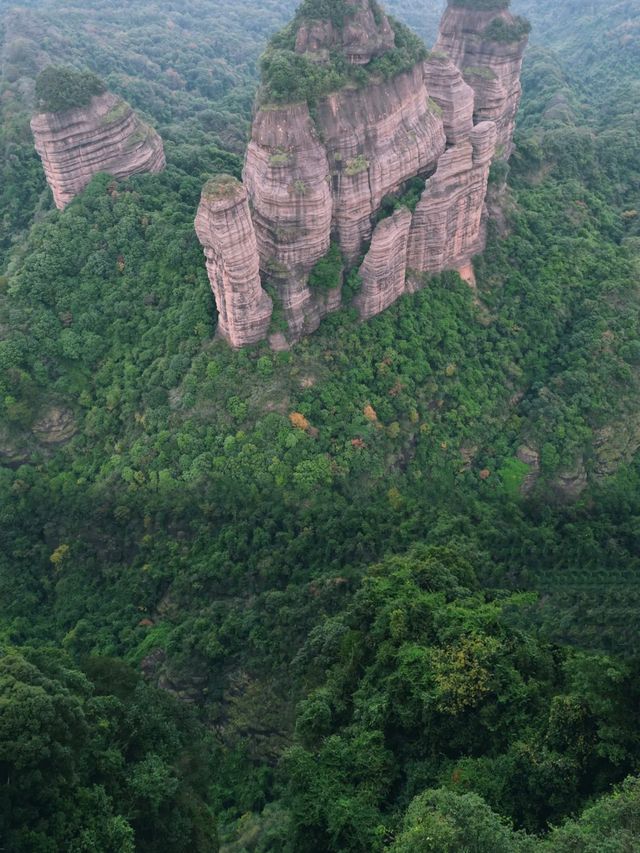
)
(103, 136)
(286, 175)
(487, 46)
(224, 228)
(455, 98)
(330, 163)
(448, 223)
(376, 138)
(384, 268)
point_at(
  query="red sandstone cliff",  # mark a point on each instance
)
(448, 224)
(105, 136)
(224, 228)
(384, 268)
(488, 47)
(286, 176)
(376, 138)
(447, 89)
(314, 176)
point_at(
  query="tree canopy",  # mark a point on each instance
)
(59, 89)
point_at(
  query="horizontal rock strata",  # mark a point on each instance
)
(376, 138)
(383, 271)
(286, 175)
(326, 173)
(225, 230)
(455, 98)
(491, 67)
(448, 223)
(105, 136)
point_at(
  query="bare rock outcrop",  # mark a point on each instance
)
(308, 177)
(328, 168)
(530, 457)
(383, 270)
(455, 98)
(106, 135)
(487, 46)
(224, 227)
(448, 223)
(376, 139)
(287, 177)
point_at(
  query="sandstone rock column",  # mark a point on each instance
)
(384, 268)
(224, 227)
(377, 138)
(488, 46)
(104, 136)
(448, 223)
(455, 98)
(287, 177)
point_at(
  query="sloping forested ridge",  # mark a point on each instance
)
(387, 583)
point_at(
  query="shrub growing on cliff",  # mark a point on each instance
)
(323, 10)
(288, 77)
(409, 50)
(508, 31)
(409, 196)
(59, 89)
(335, 11)
(327, 273)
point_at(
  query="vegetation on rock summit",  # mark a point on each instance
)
(59, 89)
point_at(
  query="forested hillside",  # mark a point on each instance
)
(379, 592)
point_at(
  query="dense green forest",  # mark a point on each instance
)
(380, 592)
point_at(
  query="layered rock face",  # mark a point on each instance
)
(455, 98)
(225, 229)
(488, 47)
(104, 136)
(329, 173)
(448, 223)
(384, 268)
(376, 139)
(285, 175)
(308, 179)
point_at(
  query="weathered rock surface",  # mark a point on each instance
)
(287, 177)
(314, 176)
(105, 136)
(616, 444)
(365, 35)
(448, 223)
(491, 67)
(224, 227)
(384, 268)
(373, 140)
(376, 139)
(455, 98)
(571, 482)
(56, 426)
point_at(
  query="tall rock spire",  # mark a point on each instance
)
(224, 228)
(381, 160)
(487, 44)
